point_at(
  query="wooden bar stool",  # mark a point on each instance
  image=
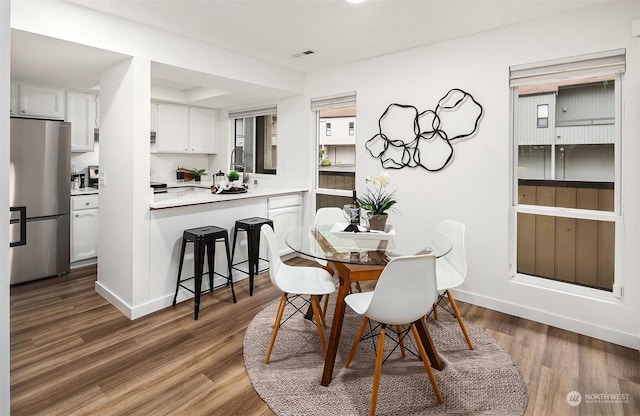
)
(203, 237)
(252, 226)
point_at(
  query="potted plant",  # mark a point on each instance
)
(197, 173)
(233, 176)
(378, 201)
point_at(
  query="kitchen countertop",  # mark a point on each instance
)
(204, 196)
(84, 191)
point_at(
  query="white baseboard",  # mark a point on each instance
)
(83, 263)
(113, 299)
(570, 324)
(159, 303)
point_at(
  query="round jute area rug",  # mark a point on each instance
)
(483, 381)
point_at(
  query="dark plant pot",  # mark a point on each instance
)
(197, 178)
(378, 222)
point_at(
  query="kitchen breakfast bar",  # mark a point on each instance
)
(186, 207)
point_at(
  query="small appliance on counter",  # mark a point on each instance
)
(159, 187)
(93, 176)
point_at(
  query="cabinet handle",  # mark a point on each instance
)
(86, 203)
(77, 215)
(23, 111)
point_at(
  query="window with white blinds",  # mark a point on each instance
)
(333, 102)
(591, 65)
(567, 173)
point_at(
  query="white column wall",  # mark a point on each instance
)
(476, 188)
(123, 242)
(5, 55)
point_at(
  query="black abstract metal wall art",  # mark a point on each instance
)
(402, 142)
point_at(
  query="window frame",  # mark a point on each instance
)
(348, 99)
(615, 216)
(254, 113)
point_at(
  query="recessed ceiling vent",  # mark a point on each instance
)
(305, 53)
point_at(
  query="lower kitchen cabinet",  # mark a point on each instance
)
(286, 213)
(84, 227)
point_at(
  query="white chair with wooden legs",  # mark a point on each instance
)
(451, 270)
(295, 282)
(330, 216)
(398, 299)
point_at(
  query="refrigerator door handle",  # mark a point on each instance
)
(23, 226)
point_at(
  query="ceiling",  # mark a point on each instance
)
(338, 31)
(274, 31)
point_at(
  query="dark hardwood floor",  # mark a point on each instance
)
(74, 353)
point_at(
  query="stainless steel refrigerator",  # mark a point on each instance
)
(39, 198)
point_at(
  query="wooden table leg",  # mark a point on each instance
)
(427, 342)
(336, 330)
(349, 273)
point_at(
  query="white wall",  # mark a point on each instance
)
(476, 187)
(5, 49)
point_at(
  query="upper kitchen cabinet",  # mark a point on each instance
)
(172, 135)
(202, 128)
(36, 101)
(82, 112)
(184, 129)
(13, 104)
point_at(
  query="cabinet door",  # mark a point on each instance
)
(84, 234)
(202, 128)
(13, 104)
(41, 101)
(285, 220)
(173, 128)
(154, 117)
(81, 112)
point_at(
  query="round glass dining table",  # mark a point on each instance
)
(361, 256)
(372, 248)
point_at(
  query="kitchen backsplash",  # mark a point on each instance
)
(80, 161)
(163, 166)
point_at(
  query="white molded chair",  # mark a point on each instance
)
(398, 299)
(451, 270)
(295, 282)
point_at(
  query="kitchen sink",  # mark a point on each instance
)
(182, 189)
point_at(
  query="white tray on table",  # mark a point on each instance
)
(338, 229)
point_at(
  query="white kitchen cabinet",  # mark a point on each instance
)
(202, 128)
(37, 101)
(13, 103)
(81, 111)
(84, 227)
(184, 129)
(154, 117)
(286, 213)
(172, 135)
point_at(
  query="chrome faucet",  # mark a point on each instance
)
(234, 165)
